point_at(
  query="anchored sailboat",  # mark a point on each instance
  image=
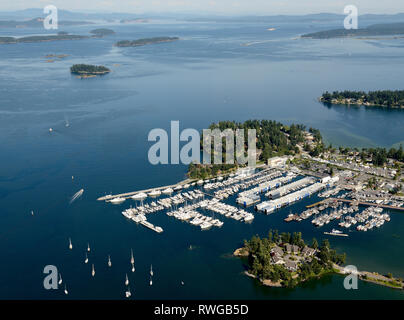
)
(66, 292)
(126, 280)
(93, 271)
(132, 260)
(128, 293)
(88, 247)
(60, 279)
(70, 244)
(151, 270)
(151, 281)
(109, 261)
(86, 260)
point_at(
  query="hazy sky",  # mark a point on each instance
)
(267, 7)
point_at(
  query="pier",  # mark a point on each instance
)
(356, 202)
(129, 194)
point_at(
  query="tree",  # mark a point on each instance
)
(314, 243)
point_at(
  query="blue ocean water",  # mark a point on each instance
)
(218, 71)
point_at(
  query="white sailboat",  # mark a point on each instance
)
(109, 261)
(60, 279)
(66, 292)
(70, 244)
(132, 260)
(86, 260)
(151, 281)
(93, 271)
(126, 280)
(32, 213)
(88, 247)
(151, 270)
(128, 293)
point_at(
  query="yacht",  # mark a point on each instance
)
(155, 193)
(117, 200)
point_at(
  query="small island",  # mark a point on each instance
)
(102, 32)
(386, 98)
(145, 41)
(285, 260)
(88, 71)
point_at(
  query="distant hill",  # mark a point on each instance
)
(389, 29)
(37, 23)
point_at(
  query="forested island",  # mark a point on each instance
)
(145, 41)
(273, 139)
(285, 260)
(44, 38)
(388, 29)
(101, 32)
(386, 98)
(88, 71)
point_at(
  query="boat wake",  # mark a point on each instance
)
(76, 196)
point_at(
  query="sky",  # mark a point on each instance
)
(230, 7)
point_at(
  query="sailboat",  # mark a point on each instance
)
(128, 293)
(126, 280)
(109, 261)
(86, 261)
(151, 281)
(88, 247)
(70, 244)
(151, 270)
(132, 260)
(60, 279)
(93, 271)
(66, 292)
(32, 213)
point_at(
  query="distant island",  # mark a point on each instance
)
(44, 38)
(285, 260)
(386, 98)
(37, 23)
(88, 71)
(102, 32)
(145, 41)
(389, 29)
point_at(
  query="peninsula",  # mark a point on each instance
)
(386, 98)
(145, 41)
(388, 29)
(44, 38)
(88, 71)
(285, 260)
